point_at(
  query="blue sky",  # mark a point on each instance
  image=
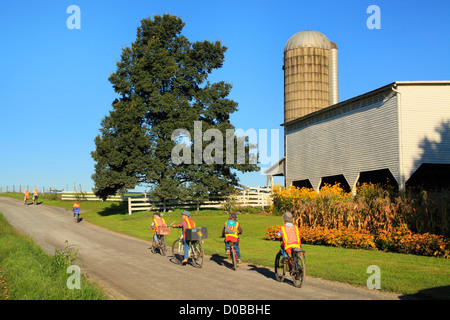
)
(54, 88)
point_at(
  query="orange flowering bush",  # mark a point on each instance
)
(344, 237)
(271, 232)
(405, 241)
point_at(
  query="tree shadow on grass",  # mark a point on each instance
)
(437, 293)
(115, 209)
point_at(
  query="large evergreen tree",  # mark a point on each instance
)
(162, 85)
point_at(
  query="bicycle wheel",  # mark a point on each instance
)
(298, 273)
(162, 245)
(178, 251)
(153, 249)
(233, 256)
(280, 270)
(197, 254)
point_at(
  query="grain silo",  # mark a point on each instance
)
(310, 74)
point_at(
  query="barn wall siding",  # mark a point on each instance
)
(360, 136)
(425, 127)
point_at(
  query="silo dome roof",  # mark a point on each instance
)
(308, 38)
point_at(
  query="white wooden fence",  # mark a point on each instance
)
(87, 196)
(244, 196)
(253, 197)
(139, 204)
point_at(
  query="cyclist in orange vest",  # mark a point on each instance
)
(26, 196)
(76, 209)
(231, 231)
(186, 223)
(156, 223)
(290, 235)
(35, 194)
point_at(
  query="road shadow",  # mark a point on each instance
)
(221, 260)
(268, 273)
(158, 251)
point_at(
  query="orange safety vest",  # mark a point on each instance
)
(76, 205)
(291, 237)
(231, 231)
(35, 191)
(158, 222)
(190, 225)
(27, 194)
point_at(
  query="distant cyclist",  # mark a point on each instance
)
(26, 195)
(76, 210)
(35, 195)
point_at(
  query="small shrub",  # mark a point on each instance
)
(64, 258)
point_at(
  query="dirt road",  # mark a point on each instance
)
(127, 269)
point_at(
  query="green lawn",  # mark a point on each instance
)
(401, 273)
(27, 273)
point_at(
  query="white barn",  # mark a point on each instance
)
(399, 132)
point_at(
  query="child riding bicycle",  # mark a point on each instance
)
(156, 223)
(76, 210)
(290, 235)
(231, 231)
(35, 195)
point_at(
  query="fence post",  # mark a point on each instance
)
(129, 205)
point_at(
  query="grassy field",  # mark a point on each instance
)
(27, 273)
(411, 275)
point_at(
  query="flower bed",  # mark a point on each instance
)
(401, 240)
(372, 208)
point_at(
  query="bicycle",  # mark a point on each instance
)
(161, 235)
(233, 255)
(195, 251)
(76, 216)
(294, 264)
